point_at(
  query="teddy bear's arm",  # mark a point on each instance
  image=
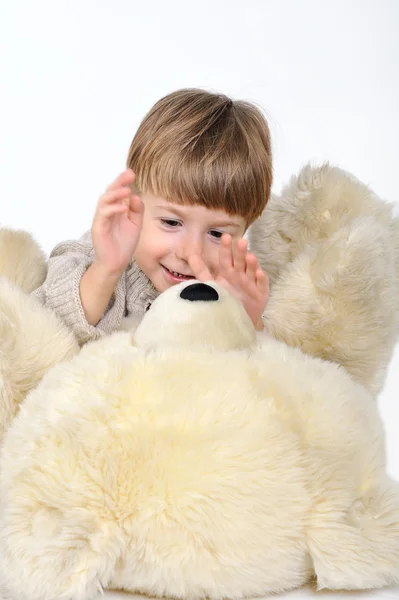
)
(33, 339)
(338, 301)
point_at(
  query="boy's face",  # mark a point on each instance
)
(171, 233)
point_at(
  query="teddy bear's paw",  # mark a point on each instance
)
(52, 554)
(313, 206)
(362, 551)
(22, 261)
(338, 301)
(359, 255)
(353, 272)
(323, 199)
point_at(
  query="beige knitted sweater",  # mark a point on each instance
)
(66, 266)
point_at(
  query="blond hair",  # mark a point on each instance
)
(197, 147)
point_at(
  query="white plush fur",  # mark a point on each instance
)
(195, 459)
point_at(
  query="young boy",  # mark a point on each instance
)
(199, 173)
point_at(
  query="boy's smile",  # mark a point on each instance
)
(172, 233)
(175, 277)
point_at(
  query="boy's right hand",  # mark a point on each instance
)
(117, 225)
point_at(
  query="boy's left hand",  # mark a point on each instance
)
(240, 274)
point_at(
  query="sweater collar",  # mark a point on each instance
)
(140, 291)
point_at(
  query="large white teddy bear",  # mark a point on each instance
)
(192, 458)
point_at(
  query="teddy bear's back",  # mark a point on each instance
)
(180, 454)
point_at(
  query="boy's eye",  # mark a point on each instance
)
(170, 222)
(216, 234)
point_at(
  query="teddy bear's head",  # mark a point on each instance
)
(194, 313)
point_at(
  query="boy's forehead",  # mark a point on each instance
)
(157, 203)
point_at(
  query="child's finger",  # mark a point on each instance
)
(246, 286)
(226, 254)
(136, 204)
(199, 268)
(116, 195)
(262, 282)
(252, 265)
(110, 210)
(239, 255)
(136, 211)
(124, 179)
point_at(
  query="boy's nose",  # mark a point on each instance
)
(199, 291)
(188, 246)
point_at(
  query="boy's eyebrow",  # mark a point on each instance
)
(170, 208)
(180, 214)
(228, 224)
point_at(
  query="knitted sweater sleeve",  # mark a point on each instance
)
(60, 291)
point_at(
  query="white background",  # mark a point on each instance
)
(78, 76)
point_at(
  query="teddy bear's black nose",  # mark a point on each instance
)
(199, 291)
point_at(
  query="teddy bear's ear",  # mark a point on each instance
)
(22, 261)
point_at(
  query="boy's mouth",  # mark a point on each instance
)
(175, 276)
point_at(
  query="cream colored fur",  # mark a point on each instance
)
(194, 459)
(22, 261)
(331, 249)
(32, 338)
